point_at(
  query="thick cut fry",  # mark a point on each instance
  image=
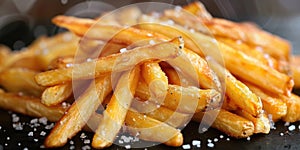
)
(98, 31)
(184, 99)
(156, 80)
(20, 80)
(273, 45)
(198, 9)
(56, 94)
(241, 95)
(116, 110)
(29, 106)
(145, 127)
(61, 62)
(295, 66)
(149, 129)
(261, 122)
(272, 105)
(79, 113)
(229, 123)
(293, 108)
(255, 73)
(177, 78)
(173, 118)
(117, 62)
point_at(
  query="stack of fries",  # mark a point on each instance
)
(150, 74)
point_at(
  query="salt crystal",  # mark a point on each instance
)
(19, 144)
(87, 141)
(71, 142)
(35, 140)
(72, 147)
(292, 128)
(286, 124)
(43, 133)
(248, 138)
(69, 65)
(8, 138)
(82, 136)
(228, 139)
(216, 140)
(151, 42)
(210, 144)
(121, 141)
(281, 134)
(18, 126)
(43, 120)
(186, 146)
(89, 59)
(30, 133)
(221, 136)
(127, 146)
(33, 121)
(196, 142)
(122, 50)
(25, 148)
(42, 146)
(209, 140)
(86, 147)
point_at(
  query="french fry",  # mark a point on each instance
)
(61, 62)
(145, 127)
(98, 31)
(295, 67)
(79, 113)
(156, 80)
(117, 62)
(116, 110)
(261, 122)
(56, 94)
(198, 9)
(20, 80)
(229, 105)
(293, 108)
(183, 99)
(241, 95)
(272, 105)
(149, 128)
(177, 78)
(163, 114)
(29, 106)
(271, 44)
(227, 122)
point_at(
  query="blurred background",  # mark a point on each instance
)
(21, 21)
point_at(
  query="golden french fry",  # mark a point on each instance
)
(61, 62)
(116, 110)
(293, 108)
(272, 105)
(261, 122)
(30, 106)
(227, 122)
(271, 44)
(183, 99)
(241, 95)
(117, 62)
(161, 113)
(198, 9)
(56, 94)
(229, 104)
(79, 113)
(295, 67)
(20, 80)
(177, 78)
(153, 130)
(99, 31)
(156, 80)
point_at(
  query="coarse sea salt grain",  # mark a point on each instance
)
(281, 134)
(186, 146)
(286, 124)
(122, 50)
(248, 138)
(221, 136)
(127, 146)
(86, 147)
(292, 128)
(210, 144)
(196, 142)
(30, 133)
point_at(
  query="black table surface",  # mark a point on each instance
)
(279, 138)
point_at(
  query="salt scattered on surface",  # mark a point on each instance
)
(216, 139)
(210, 144)
(281, 134)
(122, 50)
(127, 146)
(292, 128)
(248, 138)
(286, 124)
(186, 146)
(221, 136)
(196, 142)
(86, 147)
(30, 133)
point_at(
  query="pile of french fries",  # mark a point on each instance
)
(151, 74)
